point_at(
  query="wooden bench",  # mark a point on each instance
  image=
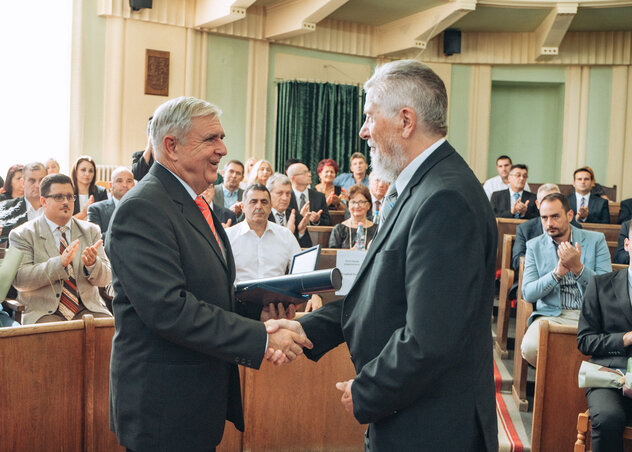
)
(614, 208)
(523, 311)
(583, 434)
(507, 276)
(506, 226)
(320, 235)
(611, 231)
(337, 216)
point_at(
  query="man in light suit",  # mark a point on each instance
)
(416, 329)
(589, 208)
(558, 266)
(516, 201)
(605, 333)
(313, 203)
(180, 333)
(101, 212)
(46, 272)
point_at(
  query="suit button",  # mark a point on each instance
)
(57, 295)
(50, 312)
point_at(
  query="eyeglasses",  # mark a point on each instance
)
(59, 197)
(358, 203)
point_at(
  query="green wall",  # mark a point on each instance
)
(598, 127)
(227, 87)
(459, 108)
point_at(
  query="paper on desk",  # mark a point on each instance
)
(8, 268)
(348, 262)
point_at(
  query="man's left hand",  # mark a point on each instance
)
(346, 399)
(89, 256)
(314, 217)
(570, 256)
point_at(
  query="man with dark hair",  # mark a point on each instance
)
(63, 262)
(17, 211)
(558, 266)
(357, 175)
(605, 333)
(516, 201)
(142, 160)
(229, 194)
(501, 181)
(625, 212)
(590, 208)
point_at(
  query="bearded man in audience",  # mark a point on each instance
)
(516, 201)
(15, 212)
(101, 212)
(63, 260)
(605, 333)
(306, 200)
(558, 266)
(280, 188)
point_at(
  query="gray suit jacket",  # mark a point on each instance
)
(100, 214)
(40, 277)
(417, 326)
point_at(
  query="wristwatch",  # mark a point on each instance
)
(557, 277)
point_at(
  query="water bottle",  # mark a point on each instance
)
(360, 239)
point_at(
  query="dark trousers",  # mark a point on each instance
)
(609, 413)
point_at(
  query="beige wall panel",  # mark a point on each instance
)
(257, 102)
(615, 175)
(626, 183)
(111, 152)
(478, 124)
(575, 120)
(196, 58)
(250, 27)
(294, 67)
(77, 103)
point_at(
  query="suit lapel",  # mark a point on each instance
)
(620, 288)
(44, 232)
(76, 233)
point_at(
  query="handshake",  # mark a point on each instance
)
(286, 340)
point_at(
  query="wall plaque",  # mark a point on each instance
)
(156, 72)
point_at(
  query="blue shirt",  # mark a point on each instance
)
(346, 180)
(229, 198)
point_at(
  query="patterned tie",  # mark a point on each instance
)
(302, 202)
(376, 217)
(69, 299)
(281, 218)
(389, 201)
(516, 196)
(206, 212)
(583, 203)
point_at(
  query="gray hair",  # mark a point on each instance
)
(277, 178)
(33, 166)
(410, 83)
(546, 189)
(174, 118)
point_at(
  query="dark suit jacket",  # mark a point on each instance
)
(100, 213)
(12, 214)
(621, 256)
(306, 240)
(625, 213)
(218, 197)
(598, 211)
(139, 166)
(606, 316)
(223, 214)
(416, 329)
(178, 339)
(99, 193)
(317, 201)
(502, 209)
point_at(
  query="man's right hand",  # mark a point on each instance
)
(69, 253)
(237, 208)
(582, 213)
(286, 340)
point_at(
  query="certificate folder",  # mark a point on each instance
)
(289, 289)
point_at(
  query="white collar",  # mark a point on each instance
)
(244, 228)
(406, 175)
(186, 186)
(53, 226)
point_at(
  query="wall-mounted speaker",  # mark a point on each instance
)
(140, 4)
(451, 41)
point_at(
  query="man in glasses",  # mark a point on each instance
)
(63, 261)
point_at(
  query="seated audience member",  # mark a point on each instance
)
(306, 200)
(262, 248)
(15, 212)
(532, 228)
(357, 175)
(558, 266)
(229, 194)
(288, 163)
(334, 194)
(515, 201)
(52, 166)
(226, 216)
(280, 188)
(63, 260)
(101, 212)
(621, 256)
(605, 333)
(247, 170)
(501, 181)
(84, 175)
(378, 189)
(596, 189)
(13, 186)
(588, 207)
(142, 160)
(344, 235)
(260, 173)
(625, 213)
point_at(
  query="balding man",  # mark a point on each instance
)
(101, 212)
(305, 199)
(180, 333)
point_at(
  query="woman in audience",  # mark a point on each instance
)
(247, 168)
(344, 234)
(13, 185)
(84, 174)
(260, 173)
(336, 196)
(52, 166)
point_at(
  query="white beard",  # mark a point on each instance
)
(388, 163)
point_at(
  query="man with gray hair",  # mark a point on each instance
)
(417, 326)
(280, 188)
(101, 212)
(177, 322)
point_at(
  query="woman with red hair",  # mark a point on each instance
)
(335, 195)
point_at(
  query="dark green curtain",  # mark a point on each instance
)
(317, 121)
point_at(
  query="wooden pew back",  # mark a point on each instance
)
(506, 281)
(611, 231)
(320, 235)
(567, 189)
(337, 216)
(506, 226)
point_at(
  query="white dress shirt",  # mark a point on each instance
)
(261, 257)
(31, 212)
(497, 184)
(579, 198)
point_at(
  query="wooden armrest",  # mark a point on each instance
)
(582, 430)
(13, 305)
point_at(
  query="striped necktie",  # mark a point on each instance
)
(389, 201)
(281, 217)
(206, 212)
(69, 299)
(302, 202)
(516, 196)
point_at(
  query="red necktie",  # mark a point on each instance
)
(206, 211)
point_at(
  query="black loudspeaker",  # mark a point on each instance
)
(140, 4)
(451, 41)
